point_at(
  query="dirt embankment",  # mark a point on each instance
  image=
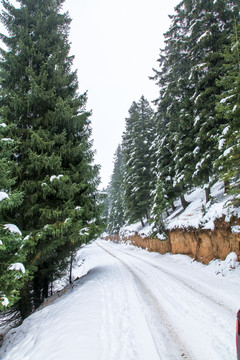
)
(202, 245)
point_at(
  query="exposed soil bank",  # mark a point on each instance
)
(202, 245)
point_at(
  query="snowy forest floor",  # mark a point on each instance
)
(197, 215)
(129, 304)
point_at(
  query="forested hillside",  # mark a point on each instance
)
(192, 136)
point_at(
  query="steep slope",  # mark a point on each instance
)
(202, 231)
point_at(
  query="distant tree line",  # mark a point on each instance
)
(193, 137)
(49, 202)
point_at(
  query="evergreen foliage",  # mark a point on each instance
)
(174, 115)
(196, 124)
(228, 107)
(188, 125)
(132, 184)
(12, 253)
(116, 211)
(137, 154)
(53, 160)
(209, 36)
(104, 200)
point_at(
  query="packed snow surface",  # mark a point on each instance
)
(129, 304)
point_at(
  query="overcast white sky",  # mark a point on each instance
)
(116, 44)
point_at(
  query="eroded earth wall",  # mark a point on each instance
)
(202, 245)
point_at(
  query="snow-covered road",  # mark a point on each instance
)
(133, 305)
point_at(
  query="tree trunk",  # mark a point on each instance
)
(51, 288)
(173, 207)
(184, 202)
(45, 288)
(71, 266)
(226, 186)
(24, 303)
(207, 194)
(142, 222)
(37, 287)
(147, 215)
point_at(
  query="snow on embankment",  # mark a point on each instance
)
(202, 231)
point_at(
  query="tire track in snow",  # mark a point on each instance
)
(182, 280)
(157, 313)
(214, 323)
(114, 314)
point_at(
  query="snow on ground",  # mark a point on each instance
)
(129, 304)
(198, 214)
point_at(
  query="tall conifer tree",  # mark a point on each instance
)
(54, 158)
(190, 66)
(137, 141)
(12, 252)
(228, 107)
(210, 25)
(116, 216)
(174, 120)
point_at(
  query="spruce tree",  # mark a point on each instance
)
(174, 120)
(116, 216)
(190, 66)
(54, 158)
(210, 26)
(137, 141)
(228, 108)
(12, 253)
